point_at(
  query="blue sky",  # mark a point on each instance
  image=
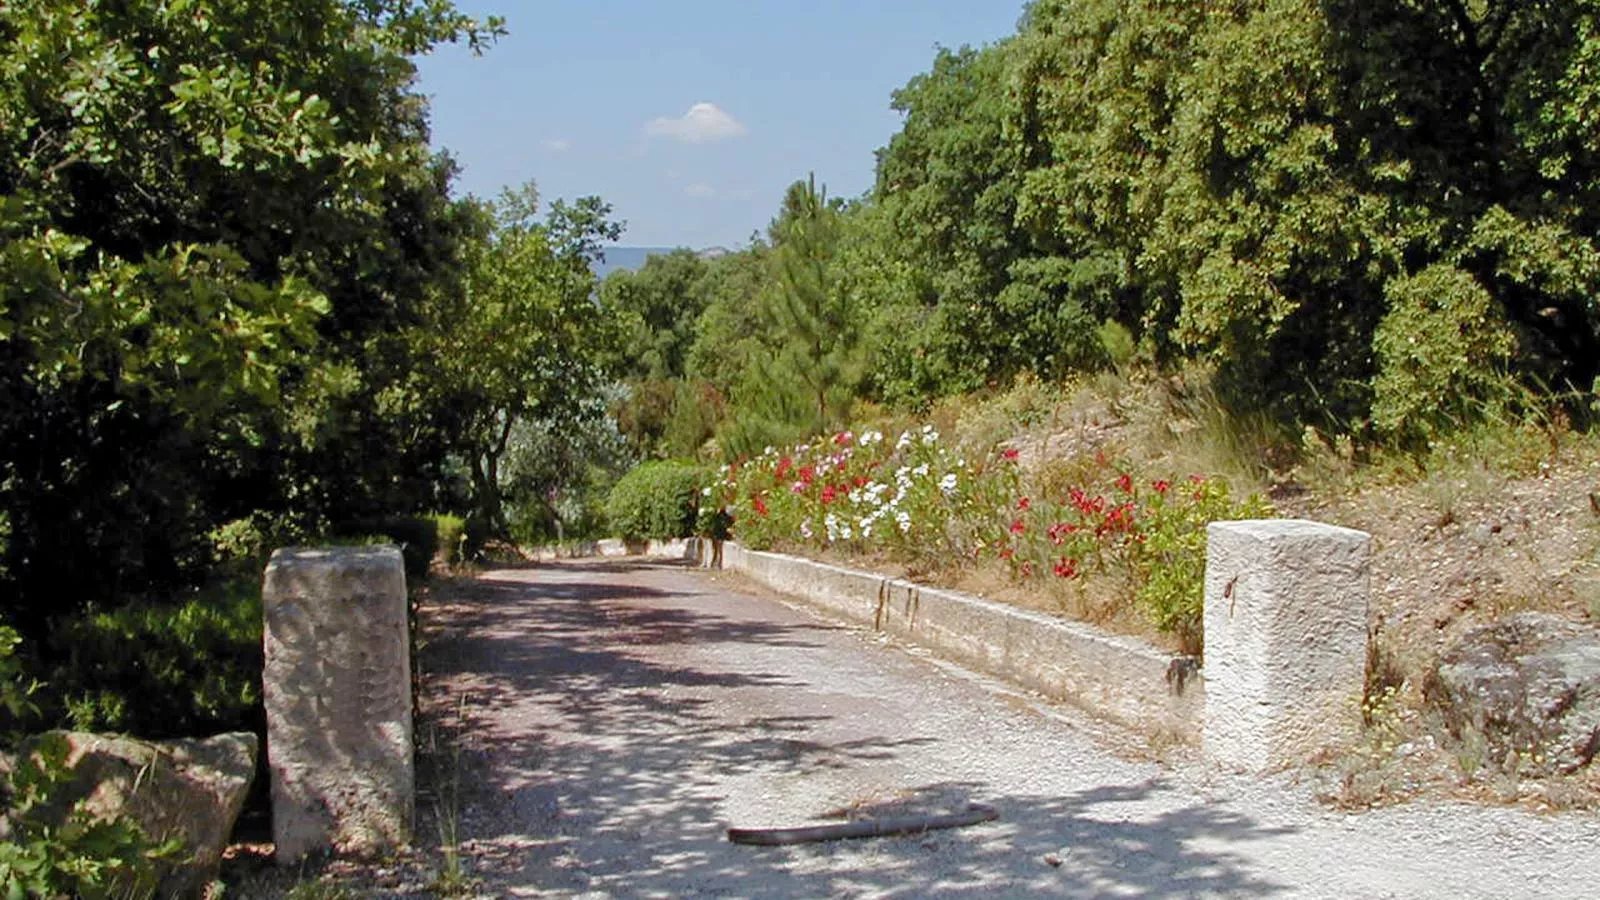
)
(690, 117)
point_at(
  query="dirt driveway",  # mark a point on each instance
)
(617, 717)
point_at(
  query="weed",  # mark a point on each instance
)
(444, 752)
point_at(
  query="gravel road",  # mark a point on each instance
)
(617, 717)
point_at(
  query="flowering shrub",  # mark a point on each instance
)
(1152, 533)
(913, 497)
(916, 499)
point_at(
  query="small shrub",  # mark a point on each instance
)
(1442, 351)
(416, 536)
(655, 501)
(191, 665)
(450, 535)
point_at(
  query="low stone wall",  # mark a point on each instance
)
(1119, 678)
(684, 549)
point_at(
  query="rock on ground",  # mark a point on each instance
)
(1528, 689)
(191, 790)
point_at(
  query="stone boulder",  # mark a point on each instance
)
(1527, 690)
(190, 790)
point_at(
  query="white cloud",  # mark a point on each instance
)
(700, 189)
(703, 123)
(556, 145)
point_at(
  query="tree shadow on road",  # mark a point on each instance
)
(598, 759)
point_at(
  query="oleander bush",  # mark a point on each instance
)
(919, 500)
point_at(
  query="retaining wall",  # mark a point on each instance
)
(1119, 678)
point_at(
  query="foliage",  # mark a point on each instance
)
(15, 686)
(1152, 537)
(450, 535)
(197, 669)
(556, 473)
(213, 215)
(82, 856)
(518, 341)
(657, 500)
(1442, 352)
(1267, 187)
(919, 500)
(808, 382)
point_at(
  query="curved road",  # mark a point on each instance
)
(618, 716)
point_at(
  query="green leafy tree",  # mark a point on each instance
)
(519, 340)
(206, 209)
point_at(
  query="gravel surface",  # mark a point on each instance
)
(616, 717)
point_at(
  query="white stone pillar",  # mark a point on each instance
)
(338, 698)
(1285, 639)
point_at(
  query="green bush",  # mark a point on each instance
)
(655, 501)
(416, 536)
(1443, 352)
(450, 534)
(187, 666)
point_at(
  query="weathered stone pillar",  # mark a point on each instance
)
(338, 698)
(1286, 639)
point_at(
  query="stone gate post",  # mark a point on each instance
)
(1285, 639)
(338, 698)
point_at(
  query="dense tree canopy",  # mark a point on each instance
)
(213, 213)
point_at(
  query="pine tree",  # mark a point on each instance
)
(807, 386)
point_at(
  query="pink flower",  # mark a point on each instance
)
(1125, 483)
(1023, 503)
(1009, 454)
(1017, 526)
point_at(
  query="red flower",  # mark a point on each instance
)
(806, 474)
(1059, 532)
(784, 465)
(842, 438)
(828, 494)
(1067, 568)
(1161, 486)
(1007, 553)
(1125, 483)
(1017, 526)
(1009, 454)
(861, 481)
(761, 506)
(1023, 503)
(1027, 570)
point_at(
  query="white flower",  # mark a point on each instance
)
(845, 532)
(903, 519)
(929, 436)
(920, 471)
(831, 524)
(947, 484)
(705, 492)
(904, 442)
(805, 529)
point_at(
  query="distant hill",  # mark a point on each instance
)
(632, 258)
